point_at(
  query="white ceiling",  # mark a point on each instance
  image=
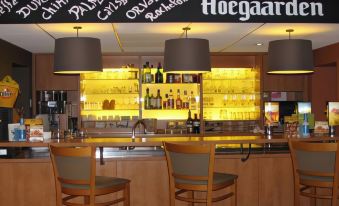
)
(147, 37)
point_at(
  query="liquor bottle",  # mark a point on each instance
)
(152, 75)
(178, 101)
(158, 100)
(153, 102)
(147, 101)
(164, 103)
(144, 73)
(158, 75)
(189, 123)
(186, 101)
(170, 101)
(193, 102)
(147, 73)
(196, 124)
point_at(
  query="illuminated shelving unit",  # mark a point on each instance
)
(227, 95)
(231, 94)
(110, 95)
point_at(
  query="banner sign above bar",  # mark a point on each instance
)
(91, 11)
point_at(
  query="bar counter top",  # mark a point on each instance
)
(154, 140)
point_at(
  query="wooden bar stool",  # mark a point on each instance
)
(315, 165)
(74, 173)
(191, 168)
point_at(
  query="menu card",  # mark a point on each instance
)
(333, 113)
(321, 127)
(271, 113)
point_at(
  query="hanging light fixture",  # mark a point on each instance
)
(290, 56)
(187, 55)
(75, 55)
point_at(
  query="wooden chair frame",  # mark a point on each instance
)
(190, 188)
(301, 187)
(88, 194)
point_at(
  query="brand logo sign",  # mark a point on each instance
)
(68, 11)
(6, 93)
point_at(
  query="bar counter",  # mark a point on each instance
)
(155, 140)
(265, 174)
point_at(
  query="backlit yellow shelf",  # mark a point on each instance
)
(107, 110)
(134, 93)
(166, 83)
(230, 107)
(109, 79)
(229, 79)
(223, 93)
(168, 114)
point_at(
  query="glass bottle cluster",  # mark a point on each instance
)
(157, 102)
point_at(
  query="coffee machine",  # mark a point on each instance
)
(51, 106)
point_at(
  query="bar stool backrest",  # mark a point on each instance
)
(190, 164)
(73, 165)
(316, 161)
(315, 165)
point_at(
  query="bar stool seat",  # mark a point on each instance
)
(75, 176)
(218, 179)
(191, 169)
(101, 182)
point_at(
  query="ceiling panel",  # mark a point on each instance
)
(104, 32)
(151, 37)
(320, 35)
(141, 37)
(221, 35)
(27, 36)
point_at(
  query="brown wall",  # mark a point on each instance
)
(324, 85)
(11, 54)
(328, 56)
(322, 88)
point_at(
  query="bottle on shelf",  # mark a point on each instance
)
(158, 100)
(147, 100)
(193, 102)
(152, 102)
(20, 132)
(170, 100)
(152, 75)
(178, 101)
(189, 123)
(158, 75)
(185, 101)
(147, 77)
(165, 102)
(196, 124)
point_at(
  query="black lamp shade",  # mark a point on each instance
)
(187, 55)
(290, 56)
(74, 55)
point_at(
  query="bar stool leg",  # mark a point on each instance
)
(86, 199)
(234, 190)
(191, 195)
(126, 194)
(313, 200)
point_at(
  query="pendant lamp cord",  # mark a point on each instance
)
(289, 33)
(77, 28)
(185, 30)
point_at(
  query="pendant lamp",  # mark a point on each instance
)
(290, 56)
(187, 55)
(75, 55)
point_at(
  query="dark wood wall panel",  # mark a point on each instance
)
(322, 88)
(45, 79)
